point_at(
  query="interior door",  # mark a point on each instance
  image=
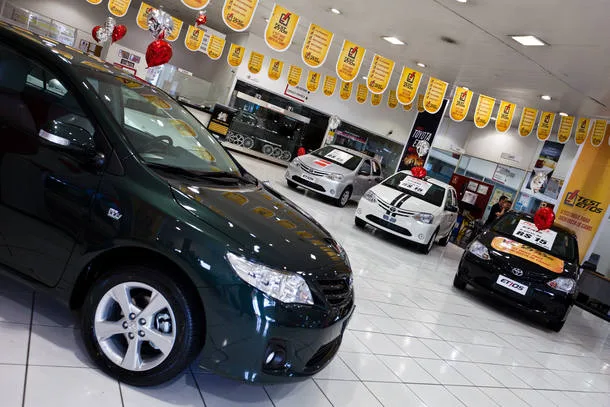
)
(363, 180)
(45, 191)
(450, 210)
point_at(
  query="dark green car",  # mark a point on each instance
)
(117, 200)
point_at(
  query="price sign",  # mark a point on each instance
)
(418, 186)
(339, 156)
(528, 232)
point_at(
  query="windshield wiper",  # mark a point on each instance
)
(247, 178)
(216, 176)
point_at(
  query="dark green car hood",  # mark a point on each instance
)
(265, 226)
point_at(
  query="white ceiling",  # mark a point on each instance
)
(574, 69)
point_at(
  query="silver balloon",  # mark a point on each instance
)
(160, 22)
(109, 25)
(334, 122)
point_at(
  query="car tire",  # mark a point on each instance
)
(427, 247)
(124, 345)
(459, 282)
(344, 197)
(291, 184)
(359, 222)
(444, 241)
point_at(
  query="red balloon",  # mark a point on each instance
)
(94, 32)
(118, 33)
(419, 172)
(201, 20)
(159, 52)
(544, 218)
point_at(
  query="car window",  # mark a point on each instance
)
(424, 190)
(338, 156)
(376, 169)
(564, 245)
(366, 168)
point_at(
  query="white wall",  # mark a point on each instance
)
(602, 248)
(452, 136)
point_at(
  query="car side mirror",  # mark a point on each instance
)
(72, 139)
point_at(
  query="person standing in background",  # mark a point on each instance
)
(497, 210)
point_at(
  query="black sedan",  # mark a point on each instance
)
(535, 270)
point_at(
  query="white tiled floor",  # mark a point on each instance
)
(414, 341)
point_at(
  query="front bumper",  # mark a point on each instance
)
(315, 183)
(540, 300)
(244, 326)
(402, 226)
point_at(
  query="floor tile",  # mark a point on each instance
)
(351, 343)
(435, 395)
(352, 394)
(443, 372)
(368, 367)
(81, 387)
(505, 376)
(444, 350)
(181, 391)
(394, 394)
(504, 397)
(16, 306)
(13, 343)
(379, 344)
(57, 346)
(533, 398)
(336, 370)
(48, 311)
(12, 379)
(474, 374)
(407, 369)
(302, 394)
(413, 347)
(221, 392)
(471, 396)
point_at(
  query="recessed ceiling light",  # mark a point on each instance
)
(563, 114)
(462, 1)
(366, 78)
(421, 64)
(393, 40)
(493, 119)
(545, 97)
(528, 40)
(465, 88)
(335, 11)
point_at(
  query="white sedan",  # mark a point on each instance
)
(420, 210)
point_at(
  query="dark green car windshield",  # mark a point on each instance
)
(160, 130)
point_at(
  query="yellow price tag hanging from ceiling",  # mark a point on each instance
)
(460, 104)
(346, 90)
(194, 38)
(196, 4)
(380, 74)
(238, 14)
(350, 61)
(528, 121)
(236, 55)
(582, 130)
(216, 47)
(506, 112)
(275, 69)
(118, 8)
(598, 132)
(420, 103)
(362, 93)
(313, 81)
(142, 18)
(376, 99)
(95, 2)
(392, 99)
(281, 28)
(294, 75)
(330, 84)
(408, 85)
(255, 64)
(483, 111)
(176, 30)
(435, 93)
(316, 46)
(408, 107)
(565, 129)
(545, 125)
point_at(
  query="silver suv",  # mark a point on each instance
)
(335, 171)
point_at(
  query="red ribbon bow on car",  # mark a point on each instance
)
(419, 172)
(544, 218)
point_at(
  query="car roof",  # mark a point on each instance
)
(63, 56)
(430, 180)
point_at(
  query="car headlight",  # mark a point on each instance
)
(282, 285)
(334, 177)
(567, 285)
(478, 249)
(424, 217)
(295, 163)
(370, 196)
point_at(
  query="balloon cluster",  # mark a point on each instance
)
(202, 19)
(419, 172)
(544, 218)
(110, 30)
(160, 25)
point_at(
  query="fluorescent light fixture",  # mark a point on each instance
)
(563, 114)
(528, 40)
(335, 11)
(545, 97)
(393, 40)
(493, 119)
(462, 1)
(366, 78)
(421, 64)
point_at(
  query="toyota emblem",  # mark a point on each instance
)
(393, 209)
(517, 272)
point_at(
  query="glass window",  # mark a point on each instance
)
(434, 195)
(441, 164)
(366, 168)
(349, 161)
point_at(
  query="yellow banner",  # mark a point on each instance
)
(176, 31)
(275, 69)
(118, 8)
(408, 107)
(380, 74)
(376, 99)
(313, 81)
(238, 14)
(392, 99)
(565, 129)
(598, 132)
(460, 104)
(408, 85)
(330, 84)
(236, 55)
(346, 90)
(506, 112)
(95, 2)
(316, 46)
(420, 103)
(194, 38)
(529, 253)
(142, 18)
(362, 93)
(528, 121)
(216, 47)
(350, 61)
(281, 28)
(582, 130)
(255, 64)
(587, 195)
(435, 93)
(483, 111)
(294, 75)
(545, 125)
(196, 4)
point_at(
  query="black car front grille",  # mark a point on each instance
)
(388, 225)
(308, 184)
(338, 293)
(391, 209)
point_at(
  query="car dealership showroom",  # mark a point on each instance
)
(304, 203)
